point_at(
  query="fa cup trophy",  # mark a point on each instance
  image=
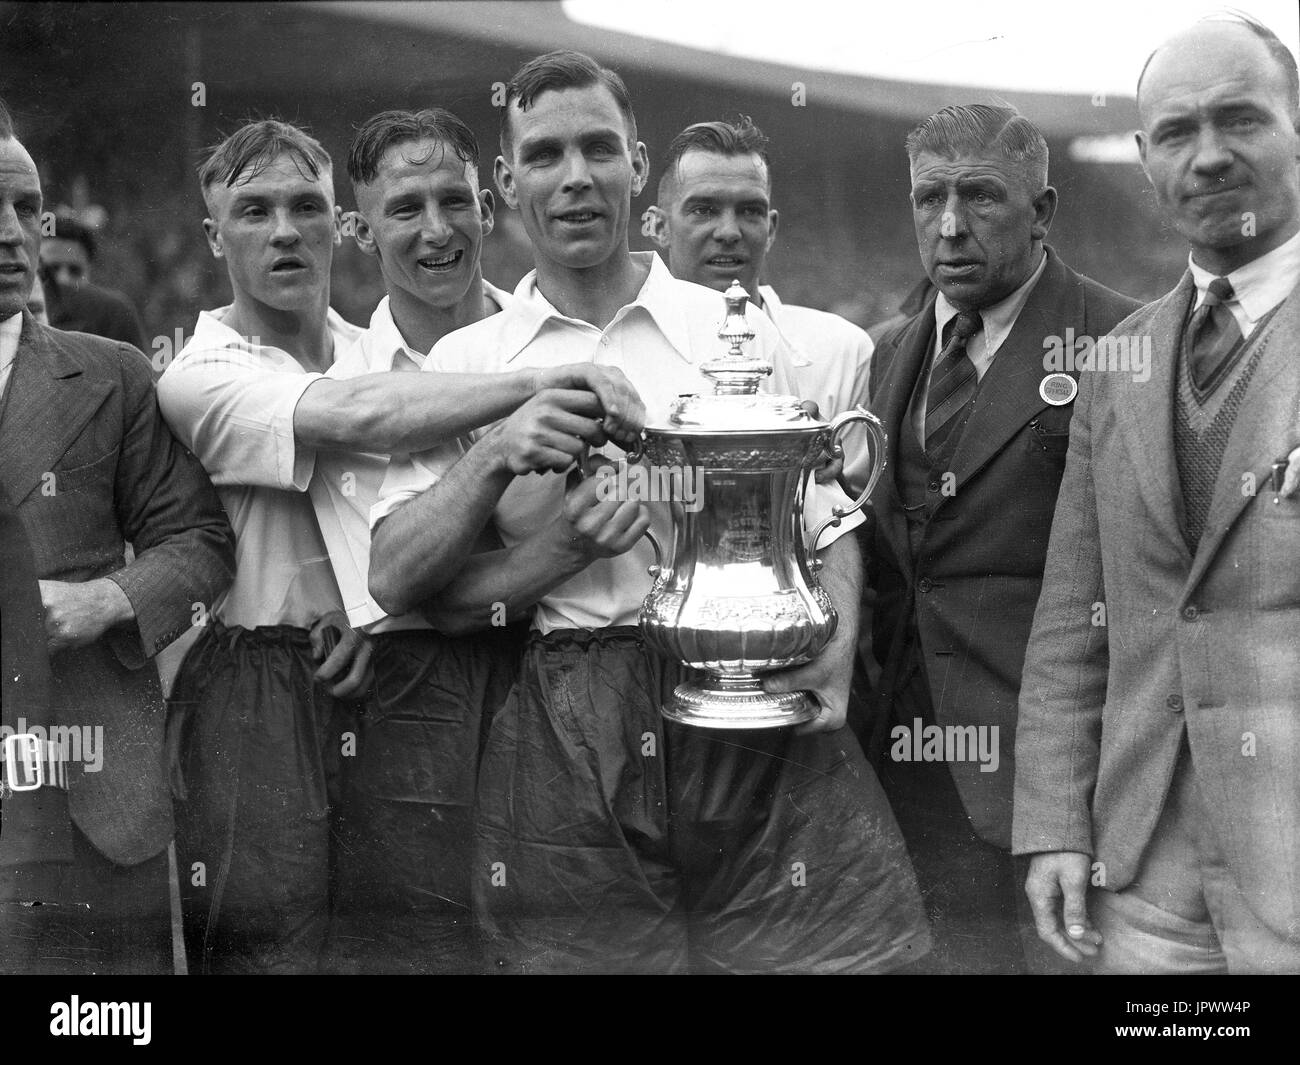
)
(738, 595)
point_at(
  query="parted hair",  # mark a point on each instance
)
(961, 129)
(382, 131)
(563, 69)
(717, 138)
(257, 145)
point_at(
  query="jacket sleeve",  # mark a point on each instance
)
(170, 513)
(1063, 687)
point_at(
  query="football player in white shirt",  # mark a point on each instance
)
(606, 839)
(256, 728)
(715, 222)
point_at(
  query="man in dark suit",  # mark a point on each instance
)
(88, 465)
(977, 435)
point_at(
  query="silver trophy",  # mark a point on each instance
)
(738, 594)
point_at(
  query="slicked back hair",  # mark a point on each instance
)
(388, 128)
(556, 71)
(6, 123)
(982, 129)
(1279, 51)
(717, 138)
(256, 146)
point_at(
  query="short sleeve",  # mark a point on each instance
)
(236, 414)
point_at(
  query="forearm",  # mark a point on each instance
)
(416, 550)
(841, 577)
(510, 580)
(404, 412)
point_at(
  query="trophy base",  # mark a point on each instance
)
(737, 703)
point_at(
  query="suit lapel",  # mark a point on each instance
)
(1267, 427)
(1146, 416)
(890, 404)
(1008, 396)
(46, 405)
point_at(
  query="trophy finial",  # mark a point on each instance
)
(735, 373)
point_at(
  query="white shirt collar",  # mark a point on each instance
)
(211, 332)
(997, 319)
(10, 331)
(387, 339)
(532, 310)
(1261, 284)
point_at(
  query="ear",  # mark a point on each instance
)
(1044, 212)
(213, 234)
(1141, 139)
(654, 224)
(363, 234)
(505, 179)
(487, 207)
(338, 225)
(640, 168)
(773, 218)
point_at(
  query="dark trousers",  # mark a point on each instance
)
(973, 890)
(86, 916)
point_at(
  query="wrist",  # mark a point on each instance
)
(111, 605)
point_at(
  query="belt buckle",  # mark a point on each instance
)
(33, 763)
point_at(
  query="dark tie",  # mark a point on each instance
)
(1213, 333)
(953, 381)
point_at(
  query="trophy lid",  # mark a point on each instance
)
(735, 403)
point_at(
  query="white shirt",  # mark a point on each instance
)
(997, 322)
(1257, 287)
(832, 363)
(231, 402)
(10, 332)
(658, 341)
(351, 480)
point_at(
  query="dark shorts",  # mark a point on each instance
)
(403, 904)
(610, 840)
(257, 745)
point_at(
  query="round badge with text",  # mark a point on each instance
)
(1058, 389)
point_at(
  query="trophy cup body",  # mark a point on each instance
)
(738, 594)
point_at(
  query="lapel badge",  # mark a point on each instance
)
(1058, 389)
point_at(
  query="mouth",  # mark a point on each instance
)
(726, 262)
(959, 266)
(577, 218)
(1205, 194)
(287, 265)
(12, 269)
(440, 264)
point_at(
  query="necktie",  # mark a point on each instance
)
(1213, 333)
(953, 381)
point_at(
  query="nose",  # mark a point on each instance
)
(577, 174)
(65, 276)
(726, 230)
(434, 227)
(1211, 153)
(952, 223)
(11, 231)
(285, 232)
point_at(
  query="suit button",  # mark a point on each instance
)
(933, 486)
(924, 584)
(1190, 613)
(1174, 702)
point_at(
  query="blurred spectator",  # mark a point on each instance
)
(73, 302)
(36, 302)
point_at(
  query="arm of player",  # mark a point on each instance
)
(388, 412)
(419, 548)
(590, 526)
(830, 675)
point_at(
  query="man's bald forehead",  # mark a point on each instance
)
(1181, 53)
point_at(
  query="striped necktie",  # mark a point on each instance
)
(953, 381)
(1212, 335)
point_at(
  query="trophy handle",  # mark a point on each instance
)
(876, 435)
(658, 566)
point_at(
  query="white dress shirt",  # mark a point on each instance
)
(658, 341)
(10, 331)
(1257, 287)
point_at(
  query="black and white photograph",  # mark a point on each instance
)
(668, 488)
